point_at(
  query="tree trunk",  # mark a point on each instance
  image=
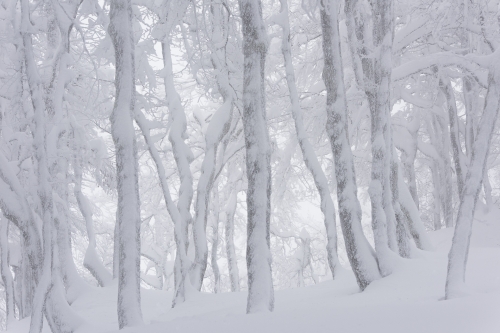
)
(458, 156)
(7, 279)
(359, 252)
(215, 241)
(457, 258)
(91, 260)
(232, 262)
(308, 154)
(183, 157)
(258, 156)
(122, 130)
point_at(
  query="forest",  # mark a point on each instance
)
(249, 166)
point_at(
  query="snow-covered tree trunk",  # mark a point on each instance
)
(91, 260)
(445, 166)
(215, 240)
(310, 159)
(457, 258)
(182, 262)
(408, 156)
(403, 241)
(232, 262)
(458, 156)
(470, 95)
(8, 282)
(354, 29)
(183, 157)
(258, 158)
(377, 87)
(217, 129)
(27, 275)
(61, 19)
(436, 189)
(410, 210)
(27, 284)
(359, 251)
(122, 129)
(45, 297)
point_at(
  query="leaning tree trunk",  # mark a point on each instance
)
(359, 251)
(128, 212)
(457, 258)
(258, 158)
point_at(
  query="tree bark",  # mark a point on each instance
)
(258, 158)
(122, 129)
(7, 279)
(359, 252)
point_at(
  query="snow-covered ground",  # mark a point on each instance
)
(409, 300)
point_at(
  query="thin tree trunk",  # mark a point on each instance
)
(410, 210)
(458, 158)
(310, 159)
(232, 262)
(457, 258)
(215, 241)
(91, 260)
(182, 262)
(218, 128)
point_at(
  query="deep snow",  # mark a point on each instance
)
(409, 300)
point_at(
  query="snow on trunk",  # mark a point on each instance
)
(215, 240)
(183, 157)
(45, 287)
(232, 262)
(310, 159)
(14, 205)
(458, 155)
(217, 129)
(91, 260)
(8, 282)
(412, 215)
(182, 262)
(457, 258)
(128, 211)
(377, 87)
(408, 156)
(359, 251)
(258, 155)
(401, 219)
